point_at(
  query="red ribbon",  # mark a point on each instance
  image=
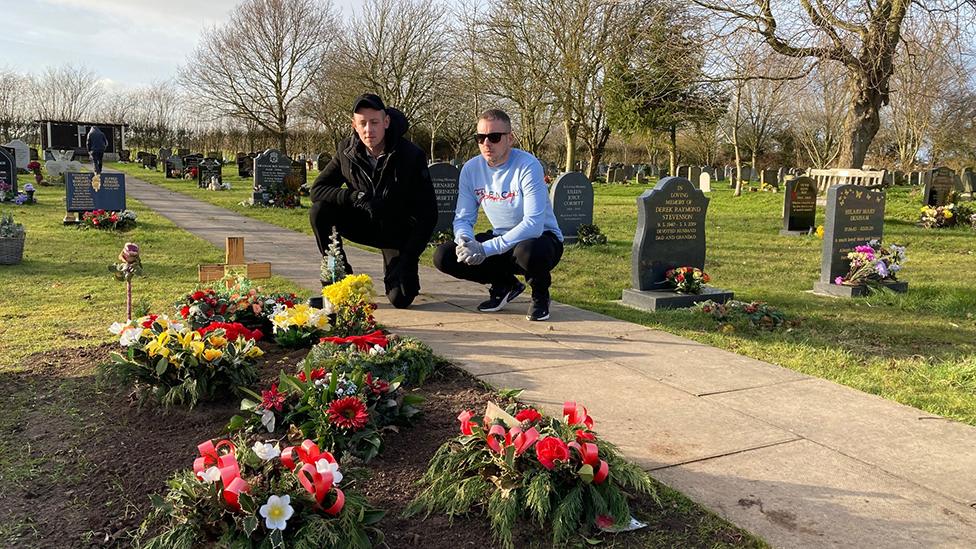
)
(363, 342)
(226, 463)
(316, 483)
(576, 415)
(522, 441)
(590, 455)
(466, 423)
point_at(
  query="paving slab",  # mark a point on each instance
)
(931, 451)
(801, 494)
(652, 423)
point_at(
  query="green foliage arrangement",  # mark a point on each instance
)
(404, 357)
(590, 235)
(758, 313)
(527, 467)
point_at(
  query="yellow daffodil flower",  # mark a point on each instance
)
(211, 355)
(197, 347)
(254, 352)
(218, 341)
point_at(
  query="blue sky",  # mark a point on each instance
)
(126, 42)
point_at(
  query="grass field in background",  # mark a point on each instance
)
(917, 348)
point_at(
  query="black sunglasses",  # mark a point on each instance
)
(493, 137)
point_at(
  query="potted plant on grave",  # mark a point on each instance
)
(687, 280)
(12, 237)
(35, 167)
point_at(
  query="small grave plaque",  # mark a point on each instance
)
(85, 193)
(444, 176)
(209, 169)
(855, 216)
(572, 202)
(8, 169)
(670, 233)
(799, 206)
(940, 183)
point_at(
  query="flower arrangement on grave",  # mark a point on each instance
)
(244, 494)
(590, 235)
(873, 264)
(35, 168)
(345, 412)
(243, 303)
(440, 237)
(301, 325)
(232, 331)
(12, 236)
(191, 173)
(938, 217)
(383, 356)
(759, 313)
(518, 465)
(129, 265)
(109, 221)
(687, 280)
(351, 300)
(217, 185)
(173, 364)
(6, 192)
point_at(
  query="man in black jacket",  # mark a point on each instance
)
(388, 200)
(97, 143)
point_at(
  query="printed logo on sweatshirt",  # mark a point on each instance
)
(492, 196)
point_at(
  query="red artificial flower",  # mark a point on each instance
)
(466, 423)
(197, 295)
(185, 311)
(576, 415)
(223, 308)
(318, 373)
(232, 330)
(114, 218)
(705, 277)
(550, 450)
(750, 308)
(149, 323)
(529, 415)
(604, 521)
(680, 278)
(377, 386)
(585, 436)
(272, 400)
(349, 412)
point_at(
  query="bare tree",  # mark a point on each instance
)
(818, 121)
(64, 93)
(13, 109)
(261, 61)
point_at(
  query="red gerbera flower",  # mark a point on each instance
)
(349, 412)
(272, 400)
(318, 373)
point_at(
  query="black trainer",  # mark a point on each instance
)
(539, 310)
(497, 299)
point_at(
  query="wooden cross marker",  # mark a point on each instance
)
(234, 265)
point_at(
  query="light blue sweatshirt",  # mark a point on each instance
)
(515, 199)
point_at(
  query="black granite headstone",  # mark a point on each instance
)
(940, 183)
(769, 177)
(124, 155)
(8, 170)
(670, 234)
(445, 179)
(799, 206)
(855, 216)
(182, 152)
(321, 161)
(298, 177)
(84, 195)
(209, 168)
(271, 169)
(192, 161)
(174, 167)
(572, 202)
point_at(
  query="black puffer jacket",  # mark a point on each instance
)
(401, 182)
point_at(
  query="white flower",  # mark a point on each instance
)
(210, 475)
(266, 451)
(325, 466)
(377, 350)
(277, 512)
(178, 326)
(268, 420)
(117, 327)
(130, 336)
(319, 318)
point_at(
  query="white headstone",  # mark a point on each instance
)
(21, 153)
(705, 182)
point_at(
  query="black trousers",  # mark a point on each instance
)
(534, 259)
(97, 161)
(391, 235)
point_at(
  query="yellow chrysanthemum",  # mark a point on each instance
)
(352, 289)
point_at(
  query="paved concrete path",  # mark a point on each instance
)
(799, 461)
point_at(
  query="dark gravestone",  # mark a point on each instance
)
(174, 167)
(670, 233)
(297, 181)
(33, 154)
(163, 155)
(572, 202)
(148, 161)
(209, 169)
(245, 165)
(124, 155)
(192, 161)
(272, 169)
(182, 152)
(82, 196)
(8, 170)
(214, 155)
(940, 183)
(444, 176)
(768, 177)
(321, 161)
(968, 181)
(694, 175)
(799, 206)
(855, 216)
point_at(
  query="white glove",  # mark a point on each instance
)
(471, 252)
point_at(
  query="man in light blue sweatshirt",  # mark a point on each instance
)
(525, 238)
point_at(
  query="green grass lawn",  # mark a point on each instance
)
(918, 348)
